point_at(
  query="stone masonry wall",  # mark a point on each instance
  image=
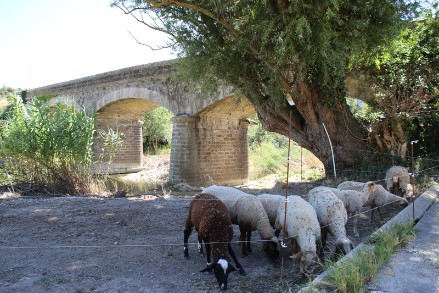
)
(129, 154)
(223, 151)
(184, 160)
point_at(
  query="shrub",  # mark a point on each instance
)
(157, 130)
(50, 148)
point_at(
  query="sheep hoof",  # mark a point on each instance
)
(363, 217)
(242, 272)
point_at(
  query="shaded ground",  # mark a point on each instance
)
(134, 244)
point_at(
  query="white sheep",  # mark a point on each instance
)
(246, 210)
(377, 199)
(398, 181)
(302, 226)
(332, 216)
(271, 203)
(354, 200)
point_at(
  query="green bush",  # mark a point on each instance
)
(48, 147)
(157, 130)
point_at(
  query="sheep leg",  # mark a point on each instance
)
(243, 241)
(371, 215)
(324, 237)
(200, 245)
(208, 249)
(235, 259)
(355, 220)
(249, 235)
(294, 246)
(381, 215)
(187, 233)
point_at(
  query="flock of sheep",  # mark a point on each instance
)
(305, 223)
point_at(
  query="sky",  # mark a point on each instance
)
(43, 42)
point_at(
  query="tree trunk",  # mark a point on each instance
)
(347, 136)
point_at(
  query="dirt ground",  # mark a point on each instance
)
(131, 244)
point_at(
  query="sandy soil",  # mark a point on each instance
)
(133, 244)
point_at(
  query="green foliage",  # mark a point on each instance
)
(48, 147)
(266, 159)
(257, 47)
(46, 97)
(269, 152)
(363, 112)
(257, 135)
(406, 79)
(157, 130)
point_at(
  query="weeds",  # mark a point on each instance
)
(351, 275)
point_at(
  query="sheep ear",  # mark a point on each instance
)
(297, 255)
(208, 268)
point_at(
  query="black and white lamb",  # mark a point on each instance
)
(332, 216)
(302, 226)
(211, 219)
(354, 200)
(398, 181)
(246, 210)
(377, 199)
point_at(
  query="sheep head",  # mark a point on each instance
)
(409, 190)
(369, 187)
(343, 245)
(271, 248)
(307, 259)
(221, 269)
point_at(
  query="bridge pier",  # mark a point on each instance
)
(209, 150)
(129, 154)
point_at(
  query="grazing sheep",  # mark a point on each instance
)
(246, 210)
(210, 218)
(332, 217)
(398, 181)
(377, 199)
(302, 225)
(353, 200)
(271, 203)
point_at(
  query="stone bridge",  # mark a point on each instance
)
(209, 136)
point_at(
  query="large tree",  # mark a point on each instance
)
(278, 50)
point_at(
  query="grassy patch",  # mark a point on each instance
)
(267, 159)
(351, 275)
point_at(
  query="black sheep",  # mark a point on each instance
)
(211, 219)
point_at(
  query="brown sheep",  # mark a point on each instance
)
(211, 219)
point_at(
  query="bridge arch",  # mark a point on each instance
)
(122, 110)
(209, 138)
(132, 93)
